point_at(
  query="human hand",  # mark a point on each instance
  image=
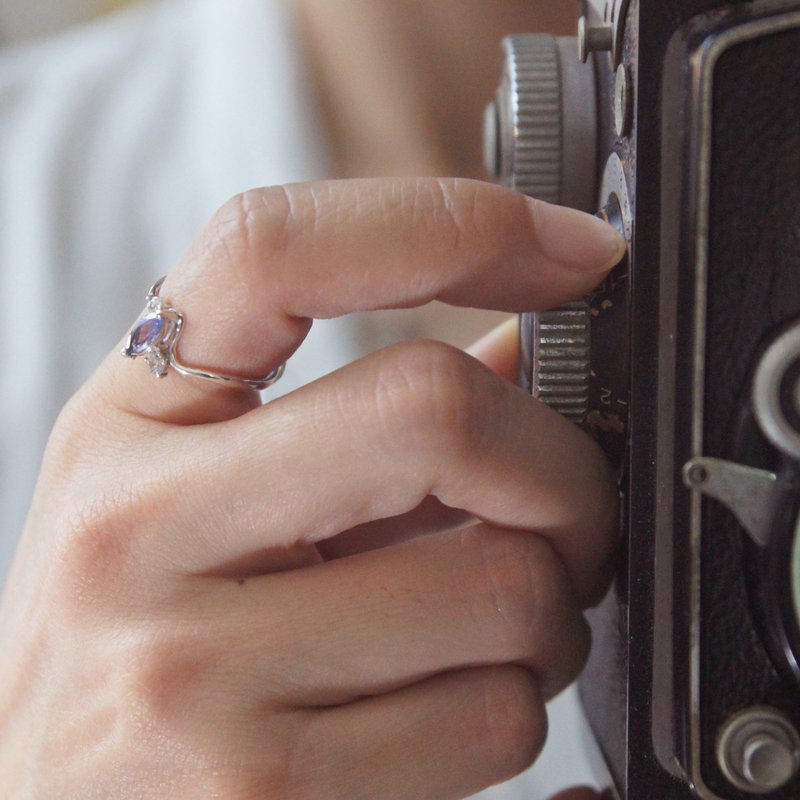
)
(195, 610)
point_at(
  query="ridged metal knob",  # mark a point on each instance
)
(540, 139)
(561, 359)
(523, 126)
(540, 132)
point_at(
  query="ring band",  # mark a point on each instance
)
(155, 336)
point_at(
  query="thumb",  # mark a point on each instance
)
(499, 350)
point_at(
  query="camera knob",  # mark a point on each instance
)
(759, 750)
(541, 139)
(540, 132)
(560, 359)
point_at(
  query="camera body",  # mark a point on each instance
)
(683, 126)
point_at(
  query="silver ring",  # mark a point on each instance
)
(155, 336)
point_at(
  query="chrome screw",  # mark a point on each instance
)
(758, 750)
(593, 40)
(622, 101)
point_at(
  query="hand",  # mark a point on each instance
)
(194, 611)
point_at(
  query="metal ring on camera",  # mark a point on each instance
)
(773, 369)
(155, 336)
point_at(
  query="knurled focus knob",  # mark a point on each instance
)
(541, 129)
(523, 125)
(560, 363)
(540, 139)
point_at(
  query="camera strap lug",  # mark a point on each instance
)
(752, 494)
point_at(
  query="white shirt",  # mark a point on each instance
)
(117, 142)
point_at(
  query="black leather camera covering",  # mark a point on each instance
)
(754, 287)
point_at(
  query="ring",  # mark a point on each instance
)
(155, 335)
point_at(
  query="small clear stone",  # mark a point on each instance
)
(158, 363)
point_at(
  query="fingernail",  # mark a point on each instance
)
(576, 240)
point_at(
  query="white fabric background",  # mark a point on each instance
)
(116, 143)
(28, 19)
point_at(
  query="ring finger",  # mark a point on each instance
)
(375, 622)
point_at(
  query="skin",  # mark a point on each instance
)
(403, 83)
(174, 612)
(367, 588)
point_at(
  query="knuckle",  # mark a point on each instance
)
(435, 395)
(251, 227)
(235, 236)
(524, 603)
(169, 677)
(518, 589)
(288, 771)
(467, 212)
(441, 205)
(174, 681)
(232, 226)
(102, 532)
(513, 722)
(94, 544)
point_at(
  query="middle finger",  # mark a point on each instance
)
(371, 442)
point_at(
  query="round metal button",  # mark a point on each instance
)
(758, 750)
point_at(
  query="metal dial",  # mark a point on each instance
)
(523, 125)
(540, 139)
(540, 133)
(561, 359)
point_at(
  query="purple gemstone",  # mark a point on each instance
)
(144, 334)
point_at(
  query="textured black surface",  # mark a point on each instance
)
(754, 286)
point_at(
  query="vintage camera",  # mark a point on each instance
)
(680, 120)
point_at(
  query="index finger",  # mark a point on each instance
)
(273, 259)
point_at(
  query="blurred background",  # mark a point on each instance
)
(27, 19)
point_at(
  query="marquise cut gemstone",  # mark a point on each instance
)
(145, 333)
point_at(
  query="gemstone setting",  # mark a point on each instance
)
(154, 336)
(144, 334)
